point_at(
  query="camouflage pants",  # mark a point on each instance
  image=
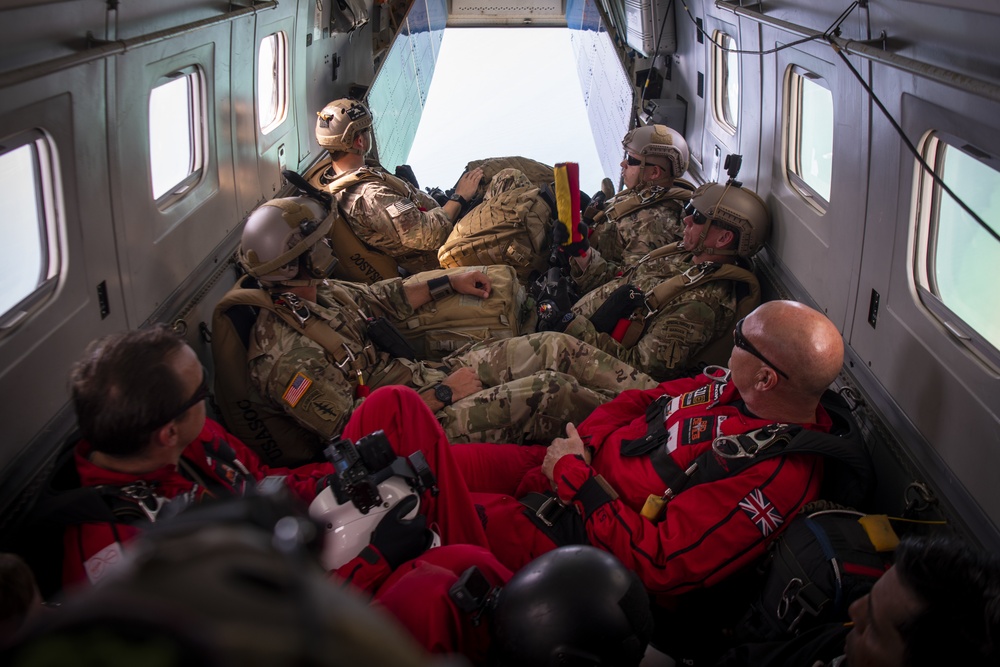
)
(532, 386)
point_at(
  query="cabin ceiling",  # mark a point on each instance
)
(514, 13)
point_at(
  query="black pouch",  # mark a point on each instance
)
(387, 338)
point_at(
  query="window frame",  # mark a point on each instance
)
(198, 134)
(926, 222)
(720, 66)
(46, 173)
(282, 85)
(792, 136)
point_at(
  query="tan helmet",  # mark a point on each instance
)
(738, 209)
(339, 124)
(281, 231)
(659, 145)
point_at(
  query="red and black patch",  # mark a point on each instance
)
(699, 396)
(696, 430)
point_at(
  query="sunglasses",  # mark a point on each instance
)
(697, 216)
(741, 342)
(632, 161)
(200, 394)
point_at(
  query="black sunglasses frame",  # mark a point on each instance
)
(632, 161)
(200, 394)
(741, 342)
(697, 216)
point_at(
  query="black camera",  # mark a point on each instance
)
(362, 467)
(473, 594)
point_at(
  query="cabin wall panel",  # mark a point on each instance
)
(36, 354)
(688, 62)
(31, 35)
(162, 247)
(951, 398)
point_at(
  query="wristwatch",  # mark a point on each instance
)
(462, 201)
(442, 392)
(440, 287)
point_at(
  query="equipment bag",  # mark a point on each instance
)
(813, 572)
(440, 327)
(538, 173)
(511, 228)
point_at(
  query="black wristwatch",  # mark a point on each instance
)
(442, 392)
(462, 201)
(440, 287)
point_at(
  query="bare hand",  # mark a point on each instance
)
(571, 445)
(469, 183)
(475, 283)
(463, 382)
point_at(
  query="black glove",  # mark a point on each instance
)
(595, 206)
(619, 305)
(399, 539)
(405, 172)
(554, 310)
(560, 236)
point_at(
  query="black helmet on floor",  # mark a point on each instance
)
(573, 607)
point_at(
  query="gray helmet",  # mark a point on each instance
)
(659, 145)
(738, 209)
(339, 124)
(281, 231)
(576, 605)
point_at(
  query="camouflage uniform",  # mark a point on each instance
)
(533, 384)
(630, 237)
(677, 332)
(410, 229)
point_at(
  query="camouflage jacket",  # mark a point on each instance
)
(295, 374)
(409, 228)
(628, 238)
(676, 334)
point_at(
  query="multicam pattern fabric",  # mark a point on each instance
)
(675, 335)
(631, 236)
(409, 228)
(533, 385)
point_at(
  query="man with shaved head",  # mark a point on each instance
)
(688, 482)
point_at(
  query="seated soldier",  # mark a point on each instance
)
(521, 389)
(139, 398)
(647, 214)
(385, 212)
(938, 605)
(680, 302)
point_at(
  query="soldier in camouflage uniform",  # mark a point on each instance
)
(648, 213)
(516, 390)
(385, 212)
(726, 223)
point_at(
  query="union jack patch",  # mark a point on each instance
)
(761, 512)
(299, 386)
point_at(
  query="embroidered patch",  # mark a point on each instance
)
(697, 397)
(325, 410)
(761, 512)
(697, 430)
(104, 561)
(299, 386)
(398, 208)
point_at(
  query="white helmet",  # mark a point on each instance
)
(281, 231)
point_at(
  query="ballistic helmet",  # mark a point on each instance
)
(738, 209)
(575, 605)
(280, 232)
(659, 145)
(339, 124)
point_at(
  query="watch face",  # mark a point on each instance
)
(442, 392)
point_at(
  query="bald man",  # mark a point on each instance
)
(640, 477)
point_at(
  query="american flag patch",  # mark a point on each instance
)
(296, 389)
(761, 512)
(398, 208)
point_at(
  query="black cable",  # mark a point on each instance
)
(909, 144)
(656, 52)
(756, 53)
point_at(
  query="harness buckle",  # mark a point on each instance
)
(294, 305)
(550, 511)
(748, 445)
(142, 494)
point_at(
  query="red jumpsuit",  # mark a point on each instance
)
(224, 466)
(710, 530)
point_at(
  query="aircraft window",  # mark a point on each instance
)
(959, 256)
(28, 259)
(809, 136)
(272, 81)
(176, 119)
(726, 66)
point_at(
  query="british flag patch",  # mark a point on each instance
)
(761, 512)
(299, 386)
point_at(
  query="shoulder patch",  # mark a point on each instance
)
(299, 386)
(400, 207)
(100, 564)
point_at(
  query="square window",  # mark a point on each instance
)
(809, 136)
(176, 135)
(272, 82)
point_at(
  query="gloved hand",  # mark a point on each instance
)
(554, 310)
(561, 236)
(595, 206)
(619, 305)
(399, 539)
